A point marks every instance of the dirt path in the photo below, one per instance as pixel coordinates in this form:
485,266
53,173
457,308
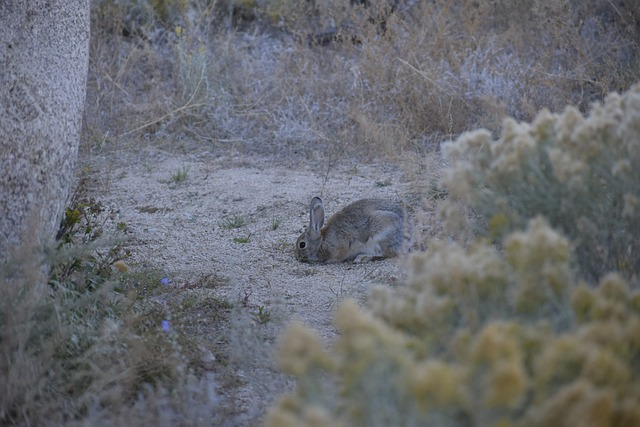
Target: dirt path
195,215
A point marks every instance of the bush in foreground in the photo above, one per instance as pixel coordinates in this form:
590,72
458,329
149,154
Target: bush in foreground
476,338
501,335
581,173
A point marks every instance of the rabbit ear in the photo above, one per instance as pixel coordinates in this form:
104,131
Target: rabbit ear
316,216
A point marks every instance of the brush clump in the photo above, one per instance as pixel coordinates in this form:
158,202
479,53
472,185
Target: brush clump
524,326
573,170
450,349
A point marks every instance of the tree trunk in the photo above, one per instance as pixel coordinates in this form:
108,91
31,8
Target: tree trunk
44,52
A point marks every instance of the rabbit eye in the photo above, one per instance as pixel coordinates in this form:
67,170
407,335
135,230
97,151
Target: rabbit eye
302,245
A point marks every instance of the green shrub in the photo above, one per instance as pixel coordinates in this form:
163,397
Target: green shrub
477,337
64,349
580,173
83,349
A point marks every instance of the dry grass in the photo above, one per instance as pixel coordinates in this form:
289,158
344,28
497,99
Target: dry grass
247,74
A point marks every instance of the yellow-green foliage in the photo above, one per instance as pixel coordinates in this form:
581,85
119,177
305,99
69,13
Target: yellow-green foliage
477,337
580,173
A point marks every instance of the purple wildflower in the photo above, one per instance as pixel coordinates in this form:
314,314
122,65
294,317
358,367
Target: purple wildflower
166,326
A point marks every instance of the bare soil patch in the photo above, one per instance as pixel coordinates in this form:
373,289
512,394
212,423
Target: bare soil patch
223,228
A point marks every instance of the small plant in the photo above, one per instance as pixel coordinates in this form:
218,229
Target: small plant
275,223
180,176
242,240
385,183
236,221
83,223
263,315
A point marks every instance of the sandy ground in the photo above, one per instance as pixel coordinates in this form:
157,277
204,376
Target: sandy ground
183,229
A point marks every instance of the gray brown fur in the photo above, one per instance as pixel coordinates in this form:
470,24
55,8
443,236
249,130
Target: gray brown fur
364,230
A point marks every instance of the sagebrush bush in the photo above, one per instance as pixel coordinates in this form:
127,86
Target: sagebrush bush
477,337
578,172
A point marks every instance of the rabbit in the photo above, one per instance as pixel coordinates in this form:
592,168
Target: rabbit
365,230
